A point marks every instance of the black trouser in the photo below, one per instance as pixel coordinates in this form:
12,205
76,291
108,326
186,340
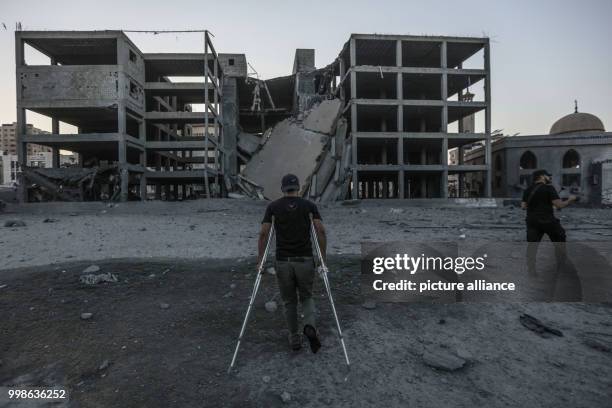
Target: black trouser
536,228
570,289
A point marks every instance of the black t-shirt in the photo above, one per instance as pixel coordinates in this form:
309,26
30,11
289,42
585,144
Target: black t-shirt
540,204
292,224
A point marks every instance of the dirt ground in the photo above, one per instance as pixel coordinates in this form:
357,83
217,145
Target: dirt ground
164,334
178,356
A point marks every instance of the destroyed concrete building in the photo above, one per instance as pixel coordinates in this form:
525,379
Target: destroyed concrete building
374,123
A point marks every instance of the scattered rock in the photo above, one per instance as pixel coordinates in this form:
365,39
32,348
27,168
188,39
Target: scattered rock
233,286
228,295
369,305
14,223
538,327
164,305
396,210
351,202
86,316
271,306
143,229
443,359
441,321
73,214
91,269
104,365
285,397
93,279
266,378
49,220
596,344
462,236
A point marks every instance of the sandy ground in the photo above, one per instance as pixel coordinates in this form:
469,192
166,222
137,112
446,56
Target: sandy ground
229,228
197,257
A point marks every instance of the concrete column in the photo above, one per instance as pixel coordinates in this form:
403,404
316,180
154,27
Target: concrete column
444,180
55,152
487,66
422,177
400,119
122,151
444,127
342,73
353,74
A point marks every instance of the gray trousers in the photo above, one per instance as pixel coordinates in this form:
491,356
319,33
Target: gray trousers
297,278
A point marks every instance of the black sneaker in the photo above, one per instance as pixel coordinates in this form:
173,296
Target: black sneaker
295,341
313,338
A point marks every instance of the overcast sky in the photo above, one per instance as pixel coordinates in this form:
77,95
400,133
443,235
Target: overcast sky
545,54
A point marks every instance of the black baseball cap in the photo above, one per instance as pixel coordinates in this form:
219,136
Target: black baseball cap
290,182
539,173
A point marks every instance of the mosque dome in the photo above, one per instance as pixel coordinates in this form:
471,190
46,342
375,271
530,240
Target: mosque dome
577,122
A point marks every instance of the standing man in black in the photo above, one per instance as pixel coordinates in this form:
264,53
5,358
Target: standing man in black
295,267
539,200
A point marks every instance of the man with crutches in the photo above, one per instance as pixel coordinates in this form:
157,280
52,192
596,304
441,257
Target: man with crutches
295,266
297,224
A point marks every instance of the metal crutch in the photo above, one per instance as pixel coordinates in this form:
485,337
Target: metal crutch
253,295
323,272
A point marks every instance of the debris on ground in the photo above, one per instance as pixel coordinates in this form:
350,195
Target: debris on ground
443,359
50,220
91,269
164,306
14,223
266,378
596,344
86,316
285,397
369,305
271,306
538,327
91,278
271,270
104,365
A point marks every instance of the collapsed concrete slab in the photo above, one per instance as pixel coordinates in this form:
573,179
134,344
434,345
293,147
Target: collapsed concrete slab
298,147
290,149
323,117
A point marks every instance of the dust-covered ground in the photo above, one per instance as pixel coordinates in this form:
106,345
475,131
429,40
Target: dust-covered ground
60,232
163,334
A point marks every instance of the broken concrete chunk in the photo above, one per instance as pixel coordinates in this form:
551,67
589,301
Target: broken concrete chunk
597,344
538,327
271,306
104,365
323,117
91,269
285,397
93,279
369,305
14,223
443,359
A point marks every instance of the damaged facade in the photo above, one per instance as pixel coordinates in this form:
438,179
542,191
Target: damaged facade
374,123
